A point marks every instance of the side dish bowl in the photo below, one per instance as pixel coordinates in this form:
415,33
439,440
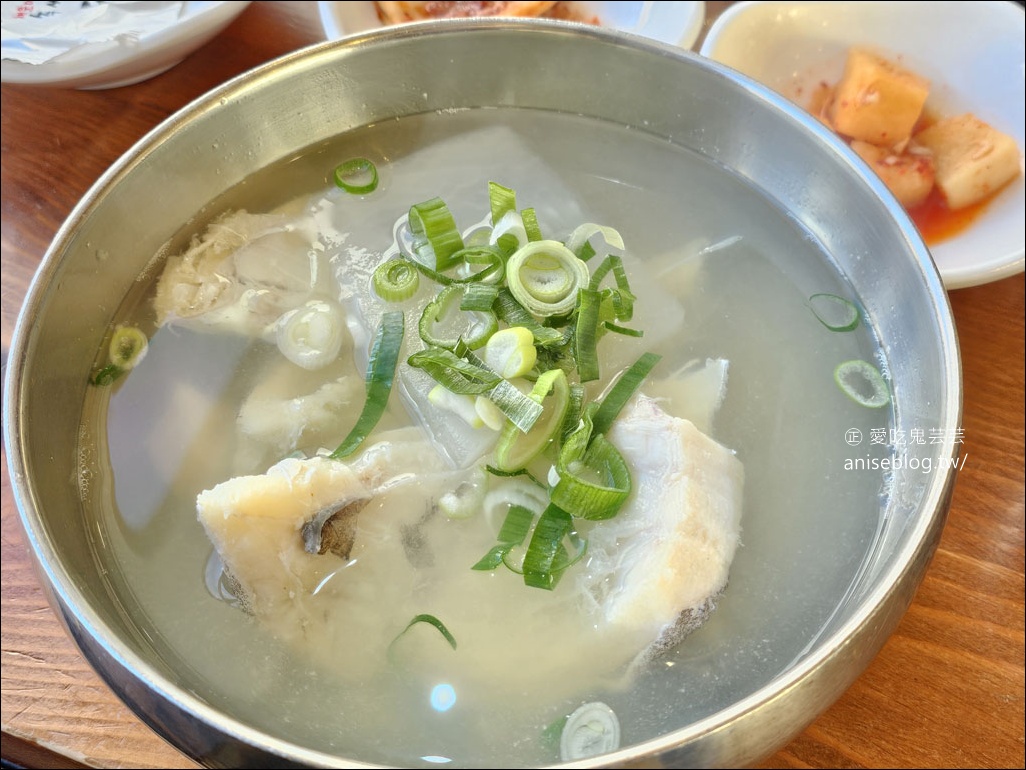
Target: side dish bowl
972,54
130,57
675,23
760,677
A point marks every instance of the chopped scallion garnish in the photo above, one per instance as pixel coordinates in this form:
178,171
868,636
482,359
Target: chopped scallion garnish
501,199
521,410
455,373
593,483
533,310
621,392
512,313
835,313
540,563
581,240
431,620
444,322
479,297
511,352
544,277
513,532
531,227
517,448
358,176
396,280
509,474
380,373
589,304
128,346
863,383
432,223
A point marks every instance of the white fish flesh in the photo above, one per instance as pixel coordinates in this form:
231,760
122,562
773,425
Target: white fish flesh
663,560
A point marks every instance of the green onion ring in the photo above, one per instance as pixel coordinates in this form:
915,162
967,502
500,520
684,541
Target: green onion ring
544,277
358,168
128,345
835,313
396,280
862,383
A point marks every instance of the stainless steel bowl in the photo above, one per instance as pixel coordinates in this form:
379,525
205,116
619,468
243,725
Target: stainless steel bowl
311,96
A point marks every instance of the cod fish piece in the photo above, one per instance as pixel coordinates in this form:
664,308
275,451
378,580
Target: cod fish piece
275,532
663,561
242,274
257,524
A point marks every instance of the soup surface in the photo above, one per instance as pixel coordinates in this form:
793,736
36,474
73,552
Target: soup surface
721,275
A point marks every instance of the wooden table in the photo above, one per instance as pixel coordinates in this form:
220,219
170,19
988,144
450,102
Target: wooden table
947,689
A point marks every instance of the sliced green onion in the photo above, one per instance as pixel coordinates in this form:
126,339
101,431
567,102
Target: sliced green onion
509,233
311,336
493,558
546,542
358,176
511,352
589,303
531,227
544,277
863,383
520,409
518,472
512,313
432,222
835,313
581,243
443,324
500,199
593,484
591,730
574,411
427,272
513,533
396,280
624,330
128,346
492,257
478,297
516,448
622,390
621,298
455,373
431,620
106,375
380,373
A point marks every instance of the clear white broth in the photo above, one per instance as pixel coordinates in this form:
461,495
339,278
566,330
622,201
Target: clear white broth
167,432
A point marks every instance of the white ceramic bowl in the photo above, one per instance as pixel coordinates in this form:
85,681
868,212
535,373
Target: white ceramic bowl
112,64
674,23
972,53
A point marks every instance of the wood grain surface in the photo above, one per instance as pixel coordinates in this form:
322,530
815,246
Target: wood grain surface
947,690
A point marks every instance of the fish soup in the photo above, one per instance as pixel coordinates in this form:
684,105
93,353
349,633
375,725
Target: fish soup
393,649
